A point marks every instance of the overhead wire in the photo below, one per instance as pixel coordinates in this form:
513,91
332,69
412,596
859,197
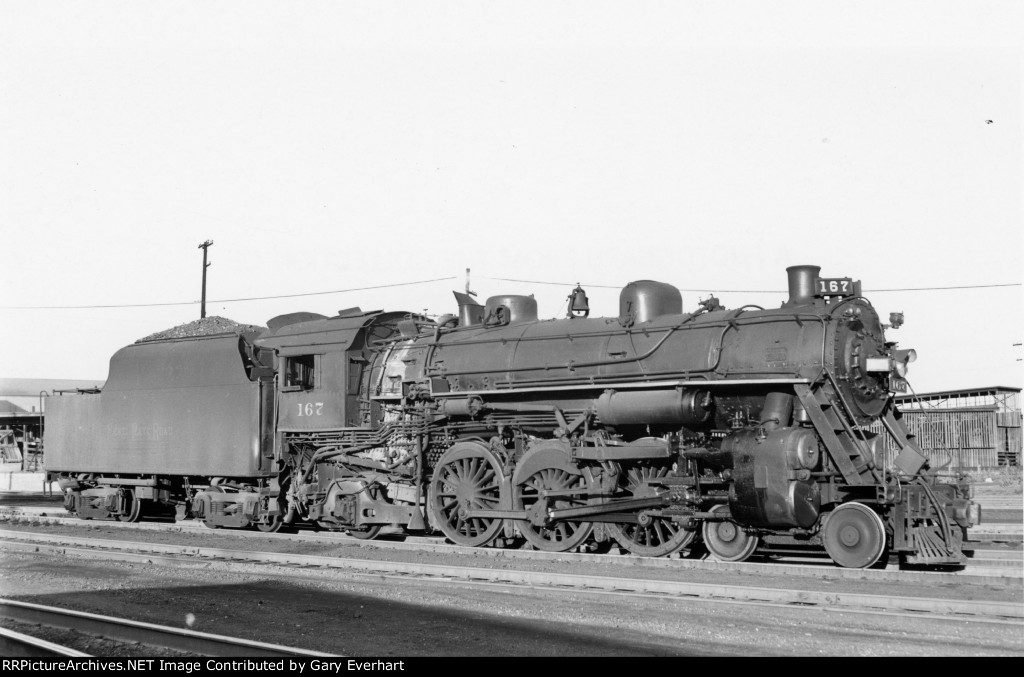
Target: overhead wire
496,279
754,291
251,298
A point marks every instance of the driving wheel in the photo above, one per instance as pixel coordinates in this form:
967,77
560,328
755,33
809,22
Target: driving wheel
560,535
466,478
653,534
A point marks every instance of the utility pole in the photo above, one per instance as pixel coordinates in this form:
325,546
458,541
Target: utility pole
204,246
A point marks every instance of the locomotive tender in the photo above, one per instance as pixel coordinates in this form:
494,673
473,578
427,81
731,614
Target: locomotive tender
651,429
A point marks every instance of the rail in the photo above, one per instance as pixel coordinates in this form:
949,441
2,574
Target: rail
161,636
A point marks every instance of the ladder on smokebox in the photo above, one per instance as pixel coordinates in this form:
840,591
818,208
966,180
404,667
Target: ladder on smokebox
847,450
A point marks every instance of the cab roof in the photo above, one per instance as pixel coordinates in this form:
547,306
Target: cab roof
323,335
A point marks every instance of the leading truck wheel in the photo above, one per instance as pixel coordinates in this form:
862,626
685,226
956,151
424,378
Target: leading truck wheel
467,478
726,541
854,536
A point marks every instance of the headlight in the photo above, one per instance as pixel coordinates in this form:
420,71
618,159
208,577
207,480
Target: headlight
902,358
897,363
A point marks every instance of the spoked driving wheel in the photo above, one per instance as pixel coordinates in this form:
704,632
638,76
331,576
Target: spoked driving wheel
467,478
132,507
727,541
560,535
854,536
653,534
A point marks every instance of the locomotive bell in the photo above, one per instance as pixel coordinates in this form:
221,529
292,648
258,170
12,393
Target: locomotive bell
579,305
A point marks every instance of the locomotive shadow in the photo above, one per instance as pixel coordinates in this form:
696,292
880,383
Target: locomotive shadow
355,624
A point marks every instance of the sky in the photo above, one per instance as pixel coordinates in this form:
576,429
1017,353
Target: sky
387,147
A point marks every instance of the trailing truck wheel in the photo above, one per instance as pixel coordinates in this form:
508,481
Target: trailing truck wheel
854,536
370,531
133,507
726,541
652,535
467,477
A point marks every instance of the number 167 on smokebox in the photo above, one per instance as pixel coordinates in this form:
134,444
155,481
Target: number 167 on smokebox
833,286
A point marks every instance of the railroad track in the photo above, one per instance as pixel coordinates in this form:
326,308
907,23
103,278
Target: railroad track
127,631
19,645
987,567
243,560
1011,532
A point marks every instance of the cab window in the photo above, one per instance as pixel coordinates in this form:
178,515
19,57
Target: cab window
300,373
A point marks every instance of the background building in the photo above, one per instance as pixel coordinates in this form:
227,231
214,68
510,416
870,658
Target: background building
972,429
22,405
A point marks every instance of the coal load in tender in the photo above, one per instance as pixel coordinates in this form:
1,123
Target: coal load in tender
204,327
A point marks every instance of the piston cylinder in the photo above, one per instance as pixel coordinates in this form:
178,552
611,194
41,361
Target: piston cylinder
771,473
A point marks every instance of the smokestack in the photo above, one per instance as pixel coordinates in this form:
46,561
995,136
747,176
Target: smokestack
801,284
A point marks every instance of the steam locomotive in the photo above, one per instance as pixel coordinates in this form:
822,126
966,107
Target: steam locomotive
655,429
